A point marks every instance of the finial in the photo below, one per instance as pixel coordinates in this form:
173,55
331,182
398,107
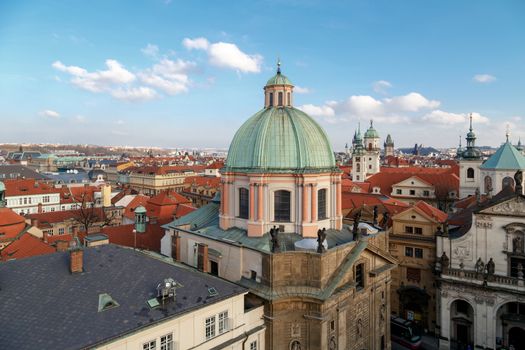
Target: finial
470,122
371,123
459,141
278,65
507,134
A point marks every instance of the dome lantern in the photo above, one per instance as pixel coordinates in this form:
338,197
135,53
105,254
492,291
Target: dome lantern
278,91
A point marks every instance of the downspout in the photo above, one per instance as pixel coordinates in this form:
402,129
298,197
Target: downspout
244,341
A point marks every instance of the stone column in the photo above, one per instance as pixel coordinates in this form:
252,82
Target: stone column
252,202
260,202
304,201
313,217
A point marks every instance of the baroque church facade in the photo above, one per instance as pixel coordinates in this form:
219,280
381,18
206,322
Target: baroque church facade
276,228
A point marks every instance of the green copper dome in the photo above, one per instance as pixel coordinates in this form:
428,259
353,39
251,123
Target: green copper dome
280,140
279,79
371,133
2,186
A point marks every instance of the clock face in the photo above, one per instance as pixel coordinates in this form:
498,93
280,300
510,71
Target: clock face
332,344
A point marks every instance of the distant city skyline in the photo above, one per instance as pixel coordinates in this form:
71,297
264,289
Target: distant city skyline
187,74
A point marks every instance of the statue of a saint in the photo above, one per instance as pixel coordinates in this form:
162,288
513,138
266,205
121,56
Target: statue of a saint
491,267
480,266
444,260
518,180
517,245
321,236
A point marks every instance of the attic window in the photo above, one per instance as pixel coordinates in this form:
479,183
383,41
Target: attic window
106,302
212,292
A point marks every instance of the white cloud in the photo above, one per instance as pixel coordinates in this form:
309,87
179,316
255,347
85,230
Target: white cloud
169,76
411,102
119,122
226,55
484,78
80,119
448,118
150,50
197,43
381,86
318,111
50,114
140,93
98,81
301,90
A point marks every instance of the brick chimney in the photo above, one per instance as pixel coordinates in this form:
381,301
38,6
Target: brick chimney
34,222
76,259
39,208
202,260
62,246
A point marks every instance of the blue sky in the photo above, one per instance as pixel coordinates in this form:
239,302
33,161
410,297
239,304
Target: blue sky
188,73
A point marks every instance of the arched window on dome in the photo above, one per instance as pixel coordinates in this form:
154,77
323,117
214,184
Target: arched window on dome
470,173
244,203
289,102
270,99
321,204
507,181
280,99
282,206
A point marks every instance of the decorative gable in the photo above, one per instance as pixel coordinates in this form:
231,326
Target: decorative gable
413,181
511,207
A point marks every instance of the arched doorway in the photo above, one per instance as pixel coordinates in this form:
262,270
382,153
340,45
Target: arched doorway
517,338
511,325
461,324
413,304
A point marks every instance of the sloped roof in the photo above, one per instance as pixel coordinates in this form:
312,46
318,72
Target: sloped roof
506,157
431,211
25,246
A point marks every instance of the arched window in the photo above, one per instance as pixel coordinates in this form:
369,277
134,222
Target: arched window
507,181
244,203
488,184
358,167
280,99
321,204
282,206
370,146
289,99
270,102
470,173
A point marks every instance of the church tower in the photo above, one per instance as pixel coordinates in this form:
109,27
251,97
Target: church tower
389,146
371,144
469,162
358,158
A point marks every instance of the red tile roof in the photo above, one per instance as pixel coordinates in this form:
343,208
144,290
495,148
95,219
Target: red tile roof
11,224
168,198
26,187
63,215
25,246
431,211
140,199
124,235
213,182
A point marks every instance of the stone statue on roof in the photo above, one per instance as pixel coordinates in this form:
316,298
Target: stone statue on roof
518,179
274,234
480,266
321,237
491,267
355,228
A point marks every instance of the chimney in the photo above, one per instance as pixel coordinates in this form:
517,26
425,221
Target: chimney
106,195
44,236
62,246
153,220
202,259
34,222
76,261
39,208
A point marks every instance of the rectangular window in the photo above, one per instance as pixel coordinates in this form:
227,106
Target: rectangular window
223,322
418,253
412,192
413,274
151,345
426,193
321,204
282,206
359,276
409,229
398,191
409,251
210,327
244,199
253,345
61,231
418,230
166,342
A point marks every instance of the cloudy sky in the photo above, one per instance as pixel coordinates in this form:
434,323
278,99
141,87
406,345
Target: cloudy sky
188,73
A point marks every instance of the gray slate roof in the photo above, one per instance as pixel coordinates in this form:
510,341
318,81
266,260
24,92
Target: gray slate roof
13,171
44,306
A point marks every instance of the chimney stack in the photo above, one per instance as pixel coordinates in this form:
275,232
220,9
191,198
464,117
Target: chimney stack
106,195
34,222
76,260
62,246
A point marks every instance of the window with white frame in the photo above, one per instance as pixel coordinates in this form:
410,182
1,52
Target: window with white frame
166,342
223,322
253,345
150,345
61,231
210,327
